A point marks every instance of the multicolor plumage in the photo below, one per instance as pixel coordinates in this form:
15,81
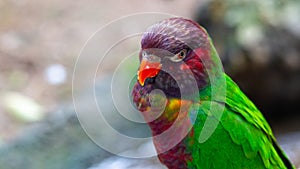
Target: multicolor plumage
242,138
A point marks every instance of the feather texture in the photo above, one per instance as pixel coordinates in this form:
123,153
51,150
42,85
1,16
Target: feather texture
243,138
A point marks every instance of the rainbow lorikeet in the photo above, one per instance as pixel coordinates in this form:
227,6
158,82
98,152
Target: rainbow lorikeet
179,89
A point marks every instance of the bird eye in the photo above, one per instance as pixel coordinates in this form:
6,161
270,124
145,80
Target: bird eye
179,56
144,53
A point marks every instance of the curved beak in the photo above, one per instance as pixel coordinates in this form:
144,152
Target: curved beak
148,69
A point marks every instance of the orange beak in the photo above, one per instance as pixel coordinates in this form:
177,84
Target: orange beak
147,70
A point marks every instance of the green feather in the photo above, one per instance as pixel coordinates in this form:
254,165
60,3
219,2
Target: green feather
242,139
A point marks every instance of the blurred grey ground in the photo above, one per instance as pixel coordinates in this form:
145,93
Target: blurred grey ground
35,35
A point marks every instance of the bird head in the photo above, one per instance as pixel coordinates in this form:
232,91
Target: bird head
172,55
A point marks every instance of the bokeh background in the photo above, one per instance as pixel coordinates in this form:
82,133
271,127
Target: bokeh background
258,42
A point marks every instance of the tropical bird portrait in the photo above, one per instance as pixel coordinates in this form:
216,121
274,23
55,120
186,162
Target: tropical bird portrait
178,80
152,84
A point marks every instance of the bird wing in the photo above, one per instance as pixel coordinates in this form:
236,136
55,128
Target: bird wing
242,131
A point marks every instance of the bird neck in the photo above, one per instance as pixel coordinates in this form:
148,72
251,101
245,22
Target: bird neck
176,112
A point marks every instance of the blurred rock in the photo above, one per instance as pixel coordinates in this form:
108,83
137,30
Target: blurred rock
124,163
132,163
290,143
259,44
58,142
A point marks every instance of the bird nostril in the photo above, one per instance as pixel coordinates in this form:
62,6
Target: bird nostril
149,80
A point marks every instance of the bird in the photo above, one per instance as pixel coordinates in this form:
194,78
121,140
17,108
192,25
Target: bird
180,86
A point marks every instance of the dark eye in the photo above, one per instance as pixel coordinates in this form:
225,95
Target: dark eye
179,56
182,54
144,53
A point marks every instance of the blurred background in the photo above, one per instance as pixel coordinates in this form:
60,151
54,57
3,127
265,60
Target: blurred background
258,42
